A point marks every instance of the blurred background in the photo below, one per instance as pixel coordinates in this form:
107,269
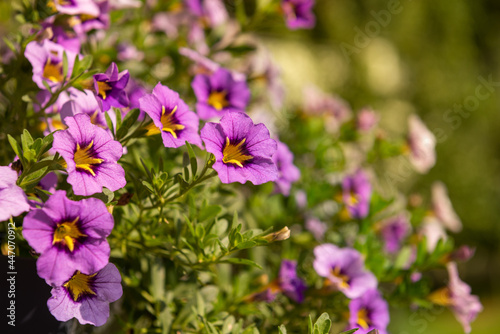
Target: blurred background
439,59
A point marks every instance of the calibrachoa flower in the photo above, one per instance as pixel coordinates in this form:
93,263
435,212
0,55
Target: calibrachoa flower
433,231
368,312
344,268
171,116
443,209
422,143
74,7
291,284
69,236
84,103
288,172
213,11
87,297
457,296
298,13
242,150
356,195
367,119
110,88
219,93
13,200
317,228
394,231
99,21
91,156
47,61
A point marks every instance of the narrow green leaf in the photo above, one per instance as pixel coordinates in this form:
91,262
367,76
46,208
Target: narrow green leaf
127,123
282,329
65,64
118,114
15,145
10,44
236,260
323,323
350,331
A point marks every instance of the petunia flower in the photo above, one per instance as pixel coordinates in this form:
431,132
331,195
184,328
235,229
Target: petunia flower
85,22
69,235
219,93
443,209
344,268
91,156
171,116
298,13
367,119
13,200
290,283
317,228
368,312
110,88
86,297
422,143
288,172
212,12
457,296
242,150
46,58
84,103
74,7
356,194
394,231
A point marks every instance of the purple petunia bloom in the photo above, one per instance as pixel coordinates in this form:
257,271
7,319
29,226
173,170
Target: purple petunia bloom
288,172
394,231
91,156
87,23
213,11
291,284
110,88
47,61
171,116
298,13
69,235
368,312
84,103
344,268
87,297
443,209
74,7
317,228
242,150
357,192
13,200
219,93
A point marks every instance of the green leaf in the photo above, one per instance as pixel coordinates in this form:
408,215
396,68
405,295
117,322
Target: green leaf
236,260
15,145
192,158
110,124
323,324
350,331
118,114
128,121
10,44
282,329
209,212
65,64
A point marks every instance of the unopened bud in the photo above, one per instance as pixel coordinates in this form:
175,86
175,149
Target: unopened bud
280,235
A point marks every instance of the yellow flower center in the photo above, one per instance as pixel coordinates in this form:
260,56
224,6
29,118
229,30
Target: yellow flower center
84,159
53,71
233,154
441,297
87,17
80,285
353,199
103,89
169,122
363,320
343,278
58,125
218,100
68,233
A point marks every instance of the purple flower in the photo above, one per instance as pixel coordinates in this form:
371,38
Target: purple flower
13,200
87,22
242,150
86,297
47,61
127,51
457,296
367,119
369,312
84,103
291,285
74,7
394,231
110,88
288,173
357,192
219,93
213,11
422,143
433,231
344,268
171,116
317,228
69,236
135,91
298,13
443,209
91,156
